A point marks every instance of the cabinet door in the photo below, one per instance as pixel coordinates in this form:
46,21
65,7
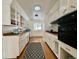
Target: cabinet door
6,12
53,45
4,43
49,42
63,7
72,5
46,38
11,46
23,41
6,15
72,51
55,16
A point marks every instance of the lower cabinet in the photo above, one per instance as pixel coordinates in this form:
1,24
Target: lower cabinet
52,41
23,41
60,49
57,48
13,45
67,51
10,46
65,55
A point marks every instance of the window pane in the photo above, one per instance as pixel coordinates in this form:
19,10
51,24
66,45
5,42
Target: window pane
37,26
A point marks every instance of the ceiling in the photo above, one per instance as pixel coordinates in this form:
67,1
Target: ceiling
28,5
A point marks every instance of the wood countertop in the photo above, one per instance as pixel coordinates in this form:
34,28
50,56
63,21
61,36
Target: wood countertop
14,34
54,33
10,34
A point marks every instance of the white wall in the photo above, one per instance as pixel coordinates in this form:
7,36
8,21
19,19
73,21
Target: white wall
54,27
36,32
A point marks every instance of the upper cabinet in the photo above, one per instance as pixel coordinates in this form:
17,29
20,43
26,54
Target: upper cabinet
72,5
67,6
53,13
6,12
15,16
63,7
11,12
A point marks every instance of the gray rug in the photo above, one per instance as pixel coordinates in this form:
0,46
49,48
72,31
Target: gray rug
34,51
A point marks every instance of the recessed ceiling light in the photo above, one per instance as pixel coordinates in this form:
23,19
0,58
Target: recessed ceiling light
37,8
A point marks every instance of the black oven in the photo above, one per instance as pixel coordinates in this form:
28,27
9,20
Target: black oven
67,31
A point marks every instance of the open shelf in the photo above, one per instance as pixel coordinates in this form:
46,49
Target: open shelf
65,55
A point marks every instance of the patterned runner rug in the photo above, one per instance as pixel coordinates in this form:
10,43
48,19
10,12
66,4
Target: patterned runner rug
34,51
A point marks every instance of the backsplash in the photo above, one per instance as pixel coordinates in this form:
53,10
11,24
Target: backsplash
8,28
53,27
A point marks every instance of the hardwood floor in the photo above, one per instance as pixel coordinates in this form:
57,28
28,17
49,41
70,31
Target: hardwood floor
48,53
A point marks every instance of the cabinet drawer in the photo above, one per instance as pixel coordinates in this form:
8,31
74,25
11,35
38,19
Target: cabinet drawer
69,49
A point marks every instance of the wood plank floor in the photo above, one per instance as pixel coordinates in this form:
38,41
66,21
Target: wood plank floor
48,53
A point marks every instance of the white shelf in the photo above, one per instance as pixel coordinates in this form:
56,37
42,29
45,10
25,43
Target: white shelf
65,55
72,51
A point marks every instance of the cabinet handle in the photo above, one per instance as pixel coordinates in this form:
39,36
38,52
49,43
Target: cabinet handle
68,49
72,6
64,10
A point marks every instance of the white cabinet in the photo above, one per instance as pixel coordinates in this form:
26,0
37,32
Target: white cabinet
10,46
54,12
60,49
24,39
55,16
56,48
52,41
6,12
70,50
72,5
6,15
63,7
13,45
65,55
67,6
